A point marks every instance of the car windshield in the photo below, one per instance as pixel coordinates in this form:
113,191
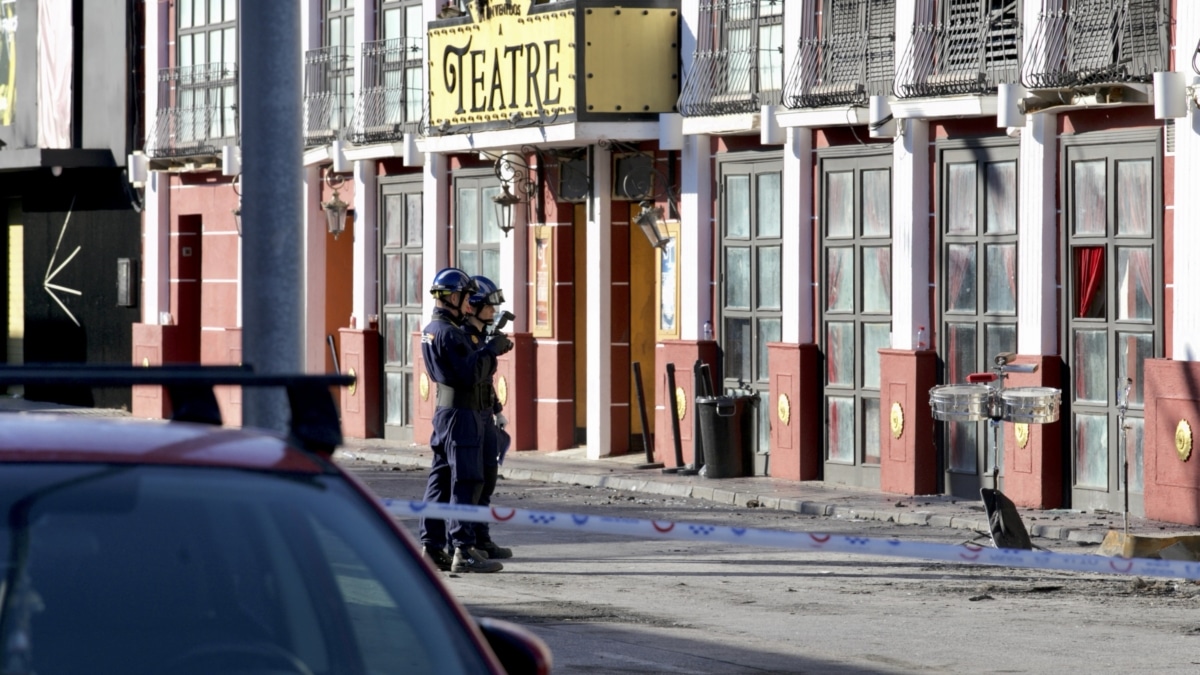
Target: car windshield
152,569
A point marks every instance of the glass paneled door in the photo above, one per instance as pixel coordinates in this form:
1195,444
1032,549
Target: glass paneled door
978,295
856,309
401,292
1114,316
752,276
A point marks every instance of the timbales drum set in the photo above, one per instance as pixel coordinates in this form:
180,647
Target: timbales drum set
984,397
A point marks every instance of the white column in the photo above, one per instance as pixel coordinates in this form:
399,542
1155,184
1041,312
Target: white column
1037,231
366,250
797,237
910,239
689,13
696,234
315,230
514,257
435,251
910,209
156,212
599,309
1186,332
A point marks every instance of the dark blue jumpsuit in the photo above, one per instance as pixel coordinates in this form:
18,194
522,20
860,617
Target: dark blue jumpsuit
456,474
491,444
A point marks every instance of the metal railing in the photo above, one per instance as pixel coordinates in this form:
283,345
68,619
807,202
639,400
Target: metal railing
197,111
735,69
393,95
328,94
969,52
853,59
1098,42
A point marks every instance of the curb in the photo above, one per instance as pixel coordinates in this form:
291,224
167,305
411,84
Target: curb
742,499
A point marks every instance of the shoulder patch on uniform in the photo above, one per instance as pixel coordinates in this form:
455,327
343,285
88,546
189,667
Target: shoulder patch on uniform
426,338
475,339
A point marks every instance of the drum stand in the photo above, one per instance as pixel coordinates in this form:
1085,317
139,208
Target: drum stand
1004,523
1122,408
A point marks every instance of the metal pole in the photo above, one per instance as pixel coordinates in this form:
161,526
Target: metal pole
679,468
647,445
272,201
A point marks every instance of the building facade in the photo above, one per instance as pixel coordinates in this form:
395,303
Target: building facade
836,206
69,116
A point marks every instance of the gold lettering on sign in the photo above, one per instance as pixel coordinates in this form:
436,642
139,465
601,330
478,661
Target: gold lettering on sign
504,66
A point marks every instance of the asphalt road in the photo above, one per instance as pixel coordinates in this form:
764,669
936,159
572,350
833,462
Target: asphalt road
612,605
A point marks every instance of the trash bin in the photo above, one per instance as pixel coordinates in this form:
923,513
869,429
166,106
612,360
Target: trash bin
721,419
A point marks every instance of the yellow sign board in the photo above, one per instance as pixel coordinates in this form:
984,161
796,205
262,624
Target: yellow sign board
507,65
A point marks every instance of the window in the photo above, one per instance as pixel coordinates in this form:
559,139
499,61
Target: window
338,40
402,293
978,285
752,36
856,292
477,227
1113,308
751,267
403,29
207,55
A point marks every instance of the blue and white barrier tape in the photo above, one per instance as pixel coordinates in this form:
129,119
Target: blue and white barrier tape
801,541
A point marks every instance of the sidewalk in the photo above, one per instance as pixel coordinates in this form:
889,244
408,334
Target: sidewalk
809,497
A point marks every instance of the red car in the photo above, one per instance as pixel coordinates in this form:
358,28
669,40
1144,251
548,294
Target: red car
139,547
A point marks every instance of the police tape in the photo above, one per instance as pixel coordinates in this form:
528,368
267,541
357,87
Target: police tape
802,541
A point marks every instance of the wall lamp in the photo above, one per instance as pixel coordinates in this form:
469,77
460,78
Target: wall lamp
648,219
237,211
647,184
1173,96
515,188
335,208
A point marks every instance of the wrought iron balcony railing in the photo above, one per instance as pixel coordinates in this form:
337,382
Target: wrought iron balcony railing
1098,42
970,48
197,111
393,95
852,60
738,65
328,94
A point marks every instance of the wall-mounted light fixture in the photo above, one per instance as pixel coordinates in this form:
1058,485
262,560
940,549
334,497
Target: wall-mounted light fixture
515,188
1008,106
1173,96
335,208
880,121
648,219
237,211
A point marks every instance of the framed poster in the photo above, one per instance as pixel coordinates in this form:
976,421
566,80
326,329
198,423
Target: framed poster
667,288
542,324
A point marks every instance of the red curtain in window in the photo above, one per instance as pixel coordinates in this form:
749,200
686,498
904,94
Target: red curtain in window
1089,274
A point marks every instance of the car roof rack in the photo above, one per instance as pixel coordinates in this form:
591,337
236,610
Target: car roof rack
314,424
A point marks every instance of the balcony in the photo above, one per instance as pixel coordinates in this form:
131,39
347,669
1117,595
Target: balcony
854,58
197,114
1098,42
393,95
328,95
738,65
969,48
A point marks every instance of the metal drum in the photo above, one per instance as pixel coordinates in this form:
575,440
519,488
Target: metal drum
960,402
1032,405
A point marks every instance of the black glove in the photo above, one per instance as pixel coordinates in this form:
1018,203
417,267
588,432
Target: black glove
500,344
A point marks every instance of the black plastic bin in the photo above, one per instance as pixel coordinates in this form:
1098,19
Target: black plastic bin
721,419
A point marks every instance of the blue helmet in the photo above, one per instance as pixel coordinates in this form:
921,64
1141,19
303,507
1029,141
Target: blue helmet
486,292
451,280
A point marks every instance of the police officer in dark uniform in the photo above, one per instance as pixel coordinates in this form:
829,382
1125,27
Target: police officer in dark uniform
484,301
459,369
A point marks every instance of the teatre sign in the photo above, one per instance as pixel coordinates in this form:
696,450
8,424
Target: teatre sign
506,65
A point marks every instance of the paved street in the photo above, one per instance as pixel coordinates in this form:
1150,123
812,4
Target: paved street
610,605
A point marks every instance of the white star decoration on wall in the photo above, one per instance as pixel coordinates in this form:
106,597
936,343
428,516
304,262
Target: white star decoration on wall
52,271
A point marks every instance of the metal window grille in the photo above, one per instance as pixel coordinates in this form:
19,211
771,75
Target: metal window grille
739,58
852,58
